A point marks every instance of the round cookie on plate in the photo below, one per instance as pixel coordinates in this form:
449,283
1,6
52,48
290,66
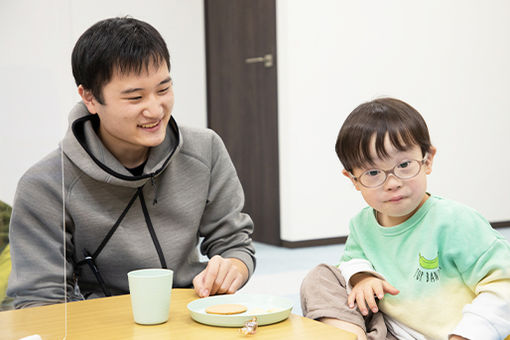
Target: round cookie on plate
226,309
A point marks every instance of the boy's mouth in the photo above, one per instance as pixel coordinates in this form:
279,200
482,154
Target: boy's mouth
396,199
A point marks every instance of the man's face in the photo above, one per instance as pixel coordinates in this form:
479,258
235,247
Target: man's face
136,110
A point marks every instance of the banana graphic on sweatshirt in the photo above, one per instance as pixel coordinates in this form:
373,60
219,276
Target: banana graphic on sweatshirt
428,269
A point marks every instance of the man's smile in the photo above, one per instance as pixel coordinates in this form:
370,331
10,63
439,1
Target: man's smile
149,125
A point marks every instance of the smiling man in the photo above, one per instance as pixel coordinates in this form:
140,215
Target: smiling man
135,189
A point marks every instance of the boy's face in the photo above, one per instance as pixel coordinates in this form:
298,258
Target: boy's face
396,199
136,110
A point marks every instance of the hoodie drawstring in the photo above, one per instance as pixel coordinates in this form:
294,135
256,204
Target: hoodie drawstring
153,182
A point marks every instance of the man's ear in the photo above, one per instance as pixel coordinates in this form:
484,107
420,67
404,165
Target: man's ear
349,176
430,158
88,99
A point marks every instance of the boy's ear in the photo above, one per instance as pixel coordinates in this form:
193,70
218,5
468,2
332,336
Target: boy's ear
349,176
88,99
430,158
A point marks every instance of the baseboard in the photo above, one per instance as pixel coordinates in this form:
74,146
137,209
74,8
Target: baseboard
501,224
314,243
342,239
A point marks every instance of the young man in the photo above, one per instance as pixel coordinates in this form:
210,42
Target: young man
434,267
137,190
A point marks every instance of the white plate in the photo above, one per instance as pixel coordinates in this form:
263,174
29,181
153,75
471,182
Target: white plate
267,308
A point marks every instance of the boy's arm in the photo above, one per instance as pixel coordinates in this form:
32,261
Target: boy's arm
354,270
365,288
362,281
487,316
354,261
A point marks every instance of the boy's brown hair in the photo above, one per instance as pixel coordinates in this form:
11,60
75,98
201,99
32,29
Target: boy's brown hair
404,126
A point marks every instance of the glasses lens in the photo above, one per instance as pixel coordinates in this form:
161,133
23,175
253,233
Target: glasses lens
372,178
407,169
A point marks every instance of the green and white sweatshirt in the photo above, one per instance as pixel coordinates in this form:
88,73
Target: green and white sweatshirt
451,267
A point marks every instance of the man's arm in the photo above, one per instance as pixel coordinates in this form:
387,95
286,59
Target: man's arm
226,230
36,239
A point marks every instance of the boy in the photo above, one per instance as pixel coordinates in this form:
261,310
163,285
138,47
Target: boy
446,271
138,190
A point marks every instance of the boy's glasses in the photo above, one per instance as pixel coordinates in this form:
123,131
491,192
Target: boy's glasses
374,178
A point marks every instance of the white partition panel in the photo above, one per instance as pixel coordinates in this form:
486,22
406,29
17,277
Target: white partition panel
37,87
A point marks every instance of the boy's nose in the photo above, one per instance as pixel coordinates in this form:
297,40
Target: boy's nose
392,182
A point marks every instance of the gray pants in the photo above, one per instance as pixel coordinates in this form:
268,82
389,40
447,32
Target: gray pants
324,295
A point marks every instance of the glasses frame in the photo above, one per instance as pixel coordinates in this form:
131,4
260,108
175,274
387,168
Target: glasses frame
390,172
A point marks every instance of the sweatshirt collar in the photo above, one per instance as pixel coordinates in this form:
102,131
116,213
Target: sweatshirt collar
84,147
409,223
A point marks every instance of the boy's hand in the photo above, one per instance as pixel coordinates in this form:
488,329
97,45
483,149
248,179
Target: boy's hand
365,287
221,276
456,337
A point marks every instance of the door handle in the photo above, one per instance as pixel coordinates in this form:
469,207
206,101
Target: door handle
267,60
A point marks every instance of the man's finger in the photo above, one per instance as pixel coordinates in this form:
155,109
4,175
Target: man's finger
198,283
221,274
227,282
238,281
210,273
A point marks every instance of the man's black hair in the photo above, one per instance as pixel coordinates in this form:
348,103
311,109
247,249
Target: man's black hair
126,45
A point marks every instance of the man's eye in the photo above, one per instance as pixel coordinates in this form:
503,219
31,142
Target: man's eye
404,165
134,98
163,91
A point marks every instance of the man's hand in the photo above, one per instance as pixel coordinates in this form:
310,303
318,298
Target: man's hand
221,276
456,337
365,287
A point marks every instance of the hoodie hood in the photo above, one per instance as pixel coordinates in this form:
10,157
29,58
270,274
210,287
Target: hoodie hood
83,147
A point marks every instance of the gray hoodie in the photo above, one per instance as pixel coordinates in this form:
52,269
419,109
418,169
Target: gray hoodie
189,190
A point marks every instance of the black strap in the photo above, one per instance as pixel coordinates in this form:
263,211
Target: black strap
92,265
151,229
90,259
115,226
111,232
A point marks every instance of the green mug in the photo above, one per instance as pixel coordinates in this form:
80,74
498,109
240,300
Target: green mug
150,291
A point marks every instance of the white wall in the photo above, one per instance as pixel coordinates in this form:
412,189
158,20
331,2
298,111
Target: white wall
37,88
449,59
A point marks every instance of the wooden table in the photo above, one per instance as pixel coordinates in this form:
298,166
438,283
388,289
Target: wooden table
111,318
